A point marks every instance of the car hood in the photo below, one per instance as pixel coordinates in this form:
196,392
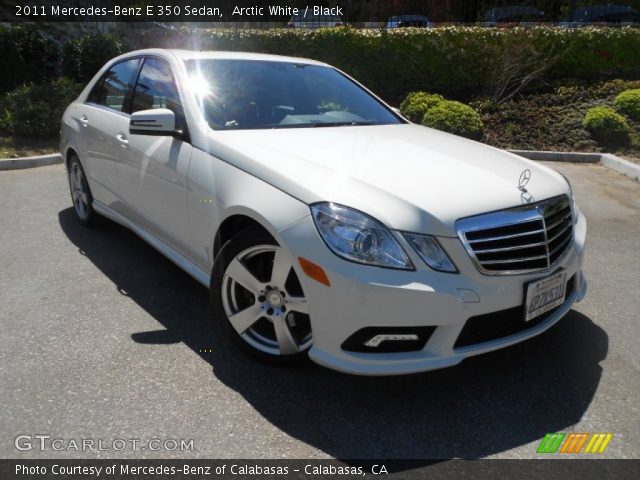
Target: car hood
409,177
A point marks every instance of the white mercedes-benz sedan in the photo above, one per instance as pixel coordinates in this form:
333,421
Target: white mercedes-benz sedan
324,223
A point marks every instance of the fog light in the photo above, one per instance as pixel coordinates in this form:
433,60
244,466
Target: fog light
378,339
388,339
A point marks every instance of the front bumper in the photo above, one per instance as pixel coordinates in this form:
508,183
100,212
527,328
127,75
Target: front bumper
362,296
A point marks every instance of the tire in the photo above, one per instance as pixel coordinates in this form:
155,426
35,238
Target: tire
80,193
262,309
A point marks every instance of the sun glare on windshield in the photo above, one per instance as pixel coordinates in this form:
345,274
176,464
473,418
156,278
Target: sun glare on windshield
257,94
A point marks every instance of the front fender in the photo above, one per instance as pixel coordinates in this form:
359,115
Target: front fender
218,190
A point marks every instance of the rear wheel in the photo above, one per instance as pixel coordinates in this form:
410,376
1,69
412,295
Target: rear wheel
257,294
81,193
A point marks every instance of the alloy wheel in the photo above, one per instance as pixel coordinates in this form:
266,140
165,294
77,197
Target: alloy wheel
79,191
264,302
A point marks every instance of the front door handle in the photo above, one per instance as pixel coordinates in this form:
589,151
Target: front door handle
84,120
122,139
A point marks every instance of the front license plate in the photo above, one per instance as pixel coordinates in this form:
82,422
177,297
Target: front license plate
545,294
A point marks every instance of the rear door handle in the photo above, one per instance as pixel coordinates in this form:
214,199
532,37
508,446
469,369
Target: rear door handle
84,120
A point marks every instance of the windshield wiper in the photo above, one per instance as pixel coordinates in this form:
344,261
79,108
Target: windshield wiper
341,124
323,124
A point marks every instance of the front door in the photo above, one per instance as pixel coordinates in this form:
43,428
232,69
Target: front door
153,175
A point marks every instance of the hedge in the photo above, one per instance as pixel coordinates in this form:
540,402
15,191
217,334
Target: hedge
28,55
462,62
36,110
457,61
82,57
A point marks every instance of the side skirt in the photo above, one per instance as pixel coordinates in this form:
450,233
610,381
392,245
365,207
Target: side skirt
177,258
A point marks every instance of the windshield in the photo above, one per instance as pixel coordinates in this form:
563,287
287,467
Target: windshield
252,94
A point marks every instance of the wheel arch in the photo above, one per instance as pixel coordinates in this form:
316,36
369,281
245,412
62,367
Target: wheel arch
70,152
233,224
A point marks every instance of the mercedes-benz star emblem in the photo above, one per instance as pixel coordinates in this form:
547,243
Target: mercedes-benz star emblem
525,176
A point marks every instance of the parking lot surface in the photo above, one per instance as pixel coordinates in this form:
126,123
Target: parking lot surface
103,338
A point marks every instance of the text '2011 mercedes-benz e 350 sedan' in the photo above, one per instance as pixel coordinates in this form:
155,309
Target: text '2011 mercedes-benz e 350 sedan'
324,223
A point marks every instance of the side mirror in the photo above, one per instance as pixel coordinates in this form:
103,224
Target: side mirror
158,121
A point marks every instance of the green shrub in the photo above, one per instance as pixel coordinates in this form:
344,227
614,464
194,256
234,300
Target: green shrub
416,104
628,102
36,110
606,126
454,117
82,57
28,55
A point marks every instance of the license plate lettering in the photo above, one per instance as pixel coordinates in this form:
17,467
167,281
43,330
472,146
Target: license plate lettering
544,294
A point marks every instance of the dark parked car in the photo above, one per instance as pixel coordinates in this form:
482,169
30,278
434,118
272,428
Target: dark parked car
603,14
399,21
314,21
515,14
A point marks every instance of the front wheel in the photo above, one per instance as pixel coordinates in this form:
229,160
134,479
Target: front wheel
256,293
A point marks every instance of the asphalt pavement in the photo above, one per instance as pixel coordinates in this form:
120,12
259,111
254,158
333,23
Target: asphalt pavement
102,338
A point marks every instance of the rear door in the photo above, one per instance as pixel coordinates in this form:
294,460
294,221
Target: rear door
153,175
106,105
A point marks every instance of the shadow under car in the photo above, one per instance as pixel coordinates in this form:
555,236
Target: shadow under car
486,405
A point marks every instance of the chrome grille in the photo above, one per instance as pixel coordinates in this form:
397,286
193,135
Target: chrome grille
519,240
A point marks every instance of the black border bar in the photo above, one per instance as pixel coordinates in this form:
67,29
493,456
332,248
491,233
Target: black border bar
238,469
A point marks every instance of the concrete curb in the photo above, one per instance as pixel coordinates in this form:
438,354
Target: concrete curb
30,162
620,165
574,157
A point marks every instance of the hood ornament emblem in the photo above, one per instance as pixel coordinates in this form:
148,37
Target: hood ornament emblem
525,176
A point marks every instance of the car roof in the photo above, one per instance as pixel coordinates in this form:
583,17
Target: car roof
500,13
321,16
585,14
210,54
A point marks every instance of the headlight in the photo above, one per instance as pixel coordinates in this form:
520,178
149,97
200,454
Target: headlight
431,252
357,237
574,206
